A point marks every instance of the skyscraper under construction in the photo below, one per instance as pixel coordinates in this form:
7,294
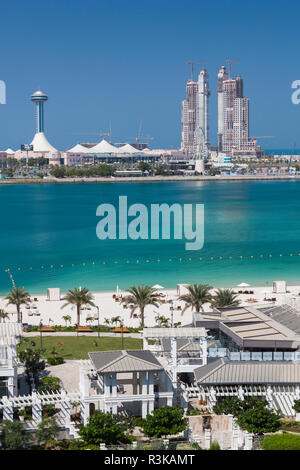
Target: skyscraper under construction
188,117
201,136
233,117
194,116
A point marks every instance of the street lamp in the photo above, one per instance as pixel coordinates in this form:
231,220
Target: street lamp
172,314
98,332
41,336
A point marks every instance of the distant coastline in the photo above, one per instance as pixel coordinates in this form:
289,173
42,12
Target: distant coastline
150,179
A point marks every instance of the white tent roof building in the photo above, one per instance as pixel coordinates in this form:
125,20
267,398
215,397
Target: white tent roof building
40,143
127,148
79,149
103,147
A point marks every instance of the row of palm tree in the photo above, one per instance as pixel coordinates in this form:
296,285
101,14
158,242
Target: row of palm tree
139,297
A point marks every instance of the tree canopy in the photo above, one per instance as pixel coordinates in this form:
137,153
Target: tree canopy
225,298
197,296
47,432
234,406
32,359
13,435
164,421
18,296
259,420
104,428
78,297
140,297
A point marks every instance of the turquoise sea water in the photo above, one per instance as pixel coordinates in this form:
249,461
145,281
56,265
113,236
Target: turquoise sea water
55,225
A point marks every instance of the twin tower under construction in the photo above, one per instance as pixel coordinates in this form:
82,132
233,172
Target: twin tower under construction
233,117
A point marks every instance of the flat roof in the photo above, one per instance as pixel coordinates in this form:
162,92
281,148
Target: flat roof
252,327
192,332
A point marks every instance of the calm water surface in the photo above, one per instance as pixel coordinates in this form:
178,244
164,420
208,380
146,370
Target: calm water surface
48,236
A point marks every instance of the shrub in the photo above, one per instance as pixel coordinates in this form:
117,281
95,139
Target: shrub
55,361
283,441
49,384
297,406
193,412
196,446
214,446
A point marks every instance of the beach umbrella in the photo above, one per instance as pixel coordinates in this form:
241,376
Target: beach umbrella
157,286
243,284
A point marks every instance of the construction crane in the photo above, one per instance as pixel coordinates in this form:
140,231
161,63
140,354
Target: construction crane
192,68
101,133
230,62
264,137
139,132
290,160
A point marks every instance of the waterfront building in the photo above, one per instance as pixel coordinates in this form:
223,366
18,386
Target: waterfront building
188,117
222,75
233,118
201,135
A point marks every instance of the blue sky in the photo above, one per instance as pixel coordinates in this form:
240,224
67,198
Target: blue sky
123,62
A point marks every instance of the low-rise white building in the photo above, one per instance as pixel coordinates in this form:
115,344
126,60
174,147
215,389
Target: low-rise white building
9,333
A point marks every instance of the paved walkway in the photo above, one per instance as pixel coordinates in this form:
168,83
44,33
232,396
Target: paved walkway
74,333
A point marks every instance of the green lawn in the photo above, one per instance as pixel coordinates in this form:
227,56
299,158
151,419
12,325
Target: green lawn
77,347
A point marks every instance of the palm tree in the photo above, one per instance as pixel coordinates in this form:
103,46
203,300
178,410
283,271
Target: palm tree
140,297
67,319
116,319
3,315
225,298
197,296
161,320
18,296
78,297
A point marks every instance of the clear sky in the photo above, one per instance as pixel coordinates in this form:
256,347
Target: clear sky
125,61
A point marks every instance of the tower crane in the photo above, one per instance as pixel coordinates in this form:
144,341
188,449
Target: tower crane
230,62
192,68
101,133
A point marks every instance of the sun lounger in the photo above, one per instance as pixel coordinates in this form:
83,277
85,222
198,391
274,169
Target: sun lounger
84,329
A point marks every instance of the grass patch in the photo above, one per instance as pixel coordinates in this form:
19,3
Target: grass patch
281,442
78,347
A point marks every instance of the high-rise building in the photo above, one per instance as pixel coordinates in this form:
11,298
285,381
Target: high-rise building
188,117
222,75
232,89
233,117
201,137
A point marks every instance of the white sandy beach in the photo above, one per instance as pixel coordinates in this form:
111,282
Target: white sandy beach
50,312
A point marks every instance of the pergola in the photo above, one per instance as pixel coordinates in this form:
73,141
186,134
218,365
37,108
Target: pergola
174,334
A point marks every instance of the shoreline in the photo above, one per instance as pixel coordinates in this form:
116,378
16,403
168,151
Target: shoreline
150,179
50,312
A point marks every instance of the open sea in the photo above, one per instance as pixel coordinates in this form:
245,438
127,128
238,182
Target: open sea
48,236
